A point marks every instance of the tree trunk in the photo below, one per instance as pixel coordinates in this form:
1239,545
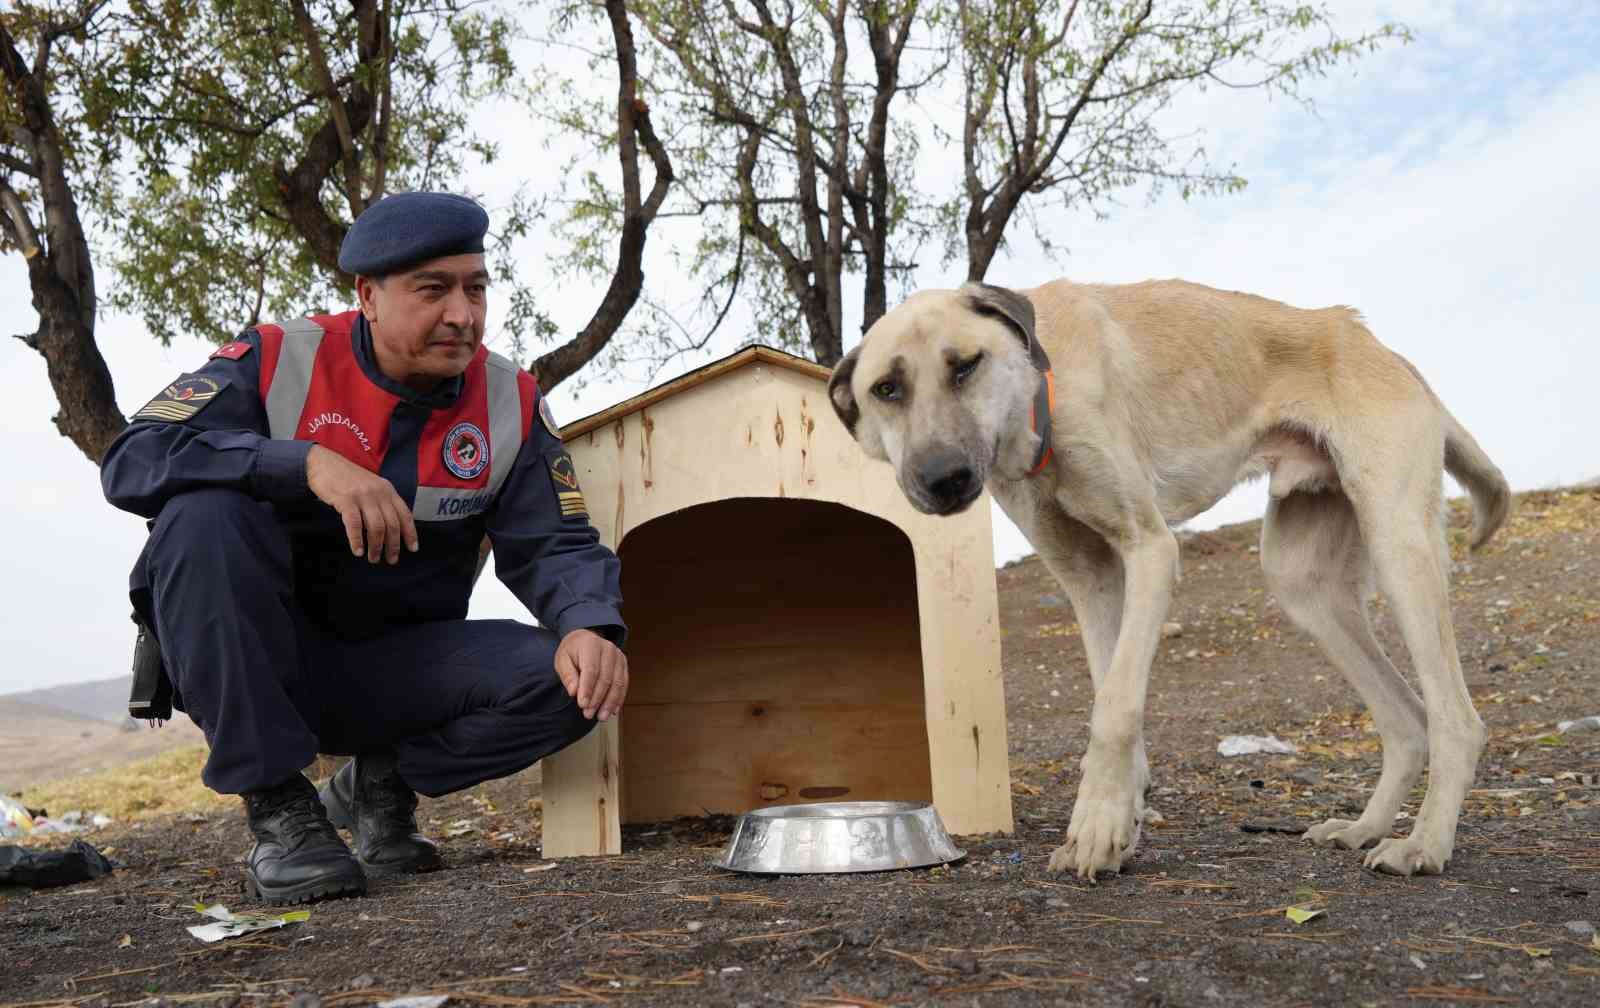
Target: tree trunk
60,273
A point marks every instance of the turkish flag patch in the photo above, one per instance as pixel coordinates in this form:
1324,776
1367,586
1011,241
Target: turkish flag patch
232,351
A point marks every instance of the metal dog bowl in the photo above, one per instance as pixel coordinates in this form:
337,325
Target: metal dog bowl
830,837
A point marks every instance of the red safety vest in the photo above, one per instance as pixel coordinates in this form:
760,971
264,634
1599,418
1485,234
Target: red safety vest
314,390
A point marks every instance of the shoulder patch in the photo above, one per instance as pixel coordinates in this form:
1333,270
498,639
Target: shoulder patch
184,398
565,477
231,351
548,418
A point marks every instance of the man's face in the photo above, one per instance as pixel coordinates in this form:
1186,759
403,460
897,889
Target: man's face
427,320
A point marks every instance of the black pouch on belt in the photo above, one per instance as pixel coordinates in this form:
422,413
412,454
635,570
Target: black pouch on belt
150,698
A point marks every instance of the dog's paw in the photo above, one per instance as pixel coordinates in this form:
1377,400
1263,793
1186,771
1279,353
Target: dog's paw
1409,856
1344,833
1102,837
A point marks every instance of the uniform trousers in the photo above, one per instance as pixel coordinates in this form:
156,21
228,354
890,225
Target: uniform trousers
458,701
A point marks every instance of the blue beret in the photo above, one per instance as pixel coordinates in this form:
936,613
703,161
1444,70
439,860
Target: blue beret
412,227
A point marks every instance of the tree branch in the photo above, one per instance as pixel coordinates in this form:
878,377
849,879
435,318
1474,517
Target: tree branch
627,279
18,165
341,121
19,228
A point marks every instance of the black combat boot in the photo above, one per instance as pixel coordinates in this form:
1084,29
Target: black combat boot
368,798
298,857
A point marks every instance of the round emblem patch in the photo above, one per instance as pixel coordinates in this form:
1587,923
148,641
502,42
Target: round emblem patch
466,450
194,387
548,418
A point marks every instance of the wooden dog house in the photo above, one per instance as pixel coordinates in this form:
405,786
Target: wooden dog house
797,632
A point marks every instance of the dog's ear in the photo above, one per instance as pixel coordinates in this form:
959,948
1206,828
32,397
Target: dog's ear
839,393
1006,305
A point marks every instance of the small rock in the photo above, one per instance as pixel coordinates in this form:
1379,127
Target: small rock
305,1000
362,982
964,961
1583,724
1051,601
1305,775
694,926
858,937
1580,928
1171,630
1585,816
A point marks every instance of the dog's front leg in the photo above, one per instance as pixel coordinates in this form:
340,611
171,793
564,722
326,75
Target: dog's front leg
1109,811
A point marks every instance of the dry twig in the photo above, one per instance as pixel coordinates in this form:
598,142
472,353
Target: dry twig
1440,992
778,934
921,962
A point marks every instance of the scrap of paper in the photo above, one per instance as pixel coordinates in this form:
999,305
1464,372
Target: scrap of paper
230,925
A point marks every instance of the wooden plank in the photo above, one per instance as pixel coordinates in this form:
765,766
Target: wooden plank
583,796
964,688
728,758
698,376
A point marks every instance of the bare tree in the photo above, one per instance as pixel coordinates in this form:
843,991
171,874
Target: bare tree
809,135
1063,97
785,121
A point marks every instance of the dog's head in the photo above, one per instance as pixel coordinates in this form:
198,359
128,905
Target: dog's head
940,388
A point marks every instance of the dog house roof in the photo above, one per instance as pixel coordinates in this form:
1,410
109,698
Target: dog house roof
698,376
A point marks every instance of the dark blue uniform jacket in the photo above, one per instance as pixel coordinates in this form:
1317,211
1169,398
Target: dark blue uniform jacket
555,565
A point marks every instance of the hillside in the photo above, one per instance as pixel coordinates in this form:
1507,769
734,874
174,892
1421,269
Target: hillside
98,700
41,744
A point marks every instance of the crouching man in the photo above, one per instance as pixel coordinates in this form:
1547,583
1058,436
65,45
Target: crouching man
319,490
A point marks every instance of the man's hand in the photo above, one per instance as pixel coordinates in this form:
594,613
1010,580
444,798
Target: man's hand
594,671
376,520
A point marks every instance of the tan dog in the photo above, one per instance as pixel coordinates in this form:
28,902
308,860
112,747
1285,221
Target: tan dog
1167,394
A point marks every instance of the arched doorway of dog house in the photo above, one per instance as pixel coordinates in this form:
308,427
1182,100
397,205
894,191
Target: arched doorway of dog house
775,658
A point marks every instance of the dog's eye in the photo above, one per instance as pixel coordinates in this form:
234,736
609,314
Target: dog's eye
964,370
887,390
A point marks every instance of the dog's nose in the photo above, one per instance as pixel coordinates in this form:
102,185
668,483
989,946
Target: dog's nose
949,479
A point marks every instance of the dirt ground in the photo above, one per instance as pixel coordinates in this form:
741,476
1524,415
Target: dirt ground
1199,918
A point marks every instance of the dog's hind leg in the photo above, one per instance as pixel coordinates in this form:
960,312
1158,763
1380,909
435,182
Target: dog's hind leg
1318,569
1399,501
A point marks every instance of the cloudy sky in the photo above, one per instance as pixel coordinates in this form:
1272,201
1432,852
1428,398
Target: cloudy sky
1447,189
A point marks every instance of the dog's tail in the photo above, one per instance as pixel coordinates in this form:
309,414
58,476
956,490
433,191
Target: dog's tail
1491,495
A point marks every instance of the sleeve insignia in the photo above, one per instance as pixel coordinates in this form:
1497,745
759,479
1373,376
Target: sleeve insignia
231,351
181,400
565,477
548,418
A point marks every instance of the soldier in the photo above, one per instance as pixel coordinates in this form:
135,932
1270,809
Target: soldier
318,492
